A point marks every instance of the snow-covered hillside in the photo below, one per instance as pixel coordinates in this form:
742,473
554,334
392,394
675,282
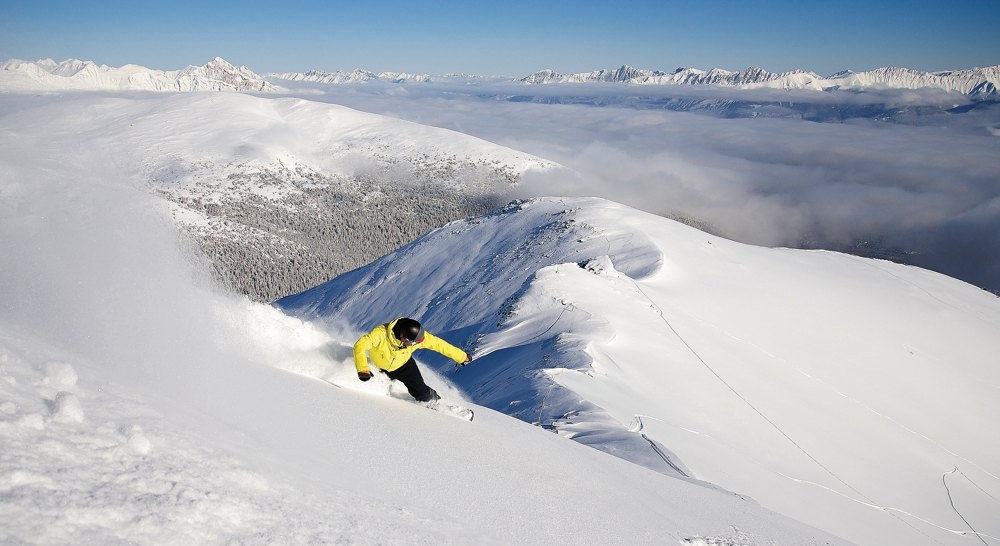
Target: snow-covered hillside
137,402
852,394
139,405
285,193
73,74
252,455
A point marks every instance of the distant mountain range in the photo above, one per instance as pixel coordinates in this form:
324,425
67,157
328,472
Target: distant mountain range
220,75
354,76
46,74
976,82
979,82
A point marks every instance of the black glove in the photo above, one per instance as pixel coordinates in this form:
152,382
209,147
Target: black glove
364,376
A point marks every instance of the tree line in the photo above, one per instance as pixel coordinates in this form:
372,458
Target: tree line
269,245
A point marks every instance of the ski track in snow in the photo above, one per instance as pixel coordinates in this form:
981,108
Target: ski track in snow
866,501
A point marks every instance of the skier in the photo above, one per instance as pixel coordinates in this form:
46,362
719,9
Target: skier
390,347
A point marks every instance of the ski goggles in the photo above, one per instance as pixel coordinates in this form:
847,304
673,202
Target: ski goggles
418,339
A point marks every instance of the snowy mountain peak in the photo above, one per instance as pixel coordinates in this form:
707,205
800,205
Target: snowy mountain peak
219,75
74,74
543,76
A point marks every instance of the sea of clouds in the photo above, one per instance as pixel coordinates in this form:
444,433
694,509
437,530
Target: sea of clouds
912,176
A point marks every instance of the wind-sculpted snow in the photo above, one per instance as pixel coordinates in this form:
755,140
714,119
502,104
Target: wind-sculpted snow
827,387
462,295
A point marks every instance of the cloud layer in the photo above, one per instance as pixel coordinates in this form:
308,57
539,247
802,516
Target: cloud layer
924,188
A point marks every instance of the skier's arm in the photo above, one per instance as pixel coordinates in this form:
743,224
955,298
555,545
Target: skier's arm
435,343
360,348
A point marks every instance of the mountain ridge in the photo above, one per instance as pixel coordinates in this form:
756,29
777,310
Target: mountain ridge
977,82
974,81
643,338
357,75
74,74
220,75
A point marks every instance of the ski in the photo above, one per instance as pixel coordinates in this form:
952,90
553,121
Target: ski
440,405
451,408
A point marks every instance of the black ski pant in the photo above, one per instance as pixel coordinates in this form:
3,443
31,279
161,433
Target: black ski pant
409,374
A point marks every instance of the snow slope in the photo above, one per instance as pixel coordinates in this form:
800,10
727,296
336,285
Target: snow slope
257,174
828,388
287,459
140,405
175,136
855,395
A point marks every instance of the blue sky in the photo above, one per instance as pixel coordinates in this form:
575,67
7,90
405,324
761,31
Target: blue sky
510,37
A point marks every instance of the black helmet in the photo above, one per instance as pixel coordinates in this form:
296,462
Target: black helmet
409,331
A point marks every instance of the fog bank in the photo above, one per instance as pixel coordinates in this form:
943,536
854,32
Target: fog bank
922,189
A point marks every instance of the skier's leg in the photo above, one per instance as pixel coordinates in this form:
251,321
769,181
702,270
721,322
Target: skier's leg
410,375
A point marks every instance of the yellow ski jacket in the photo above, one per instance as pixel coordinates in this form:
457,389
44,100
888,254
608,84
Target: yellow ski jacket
388,353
